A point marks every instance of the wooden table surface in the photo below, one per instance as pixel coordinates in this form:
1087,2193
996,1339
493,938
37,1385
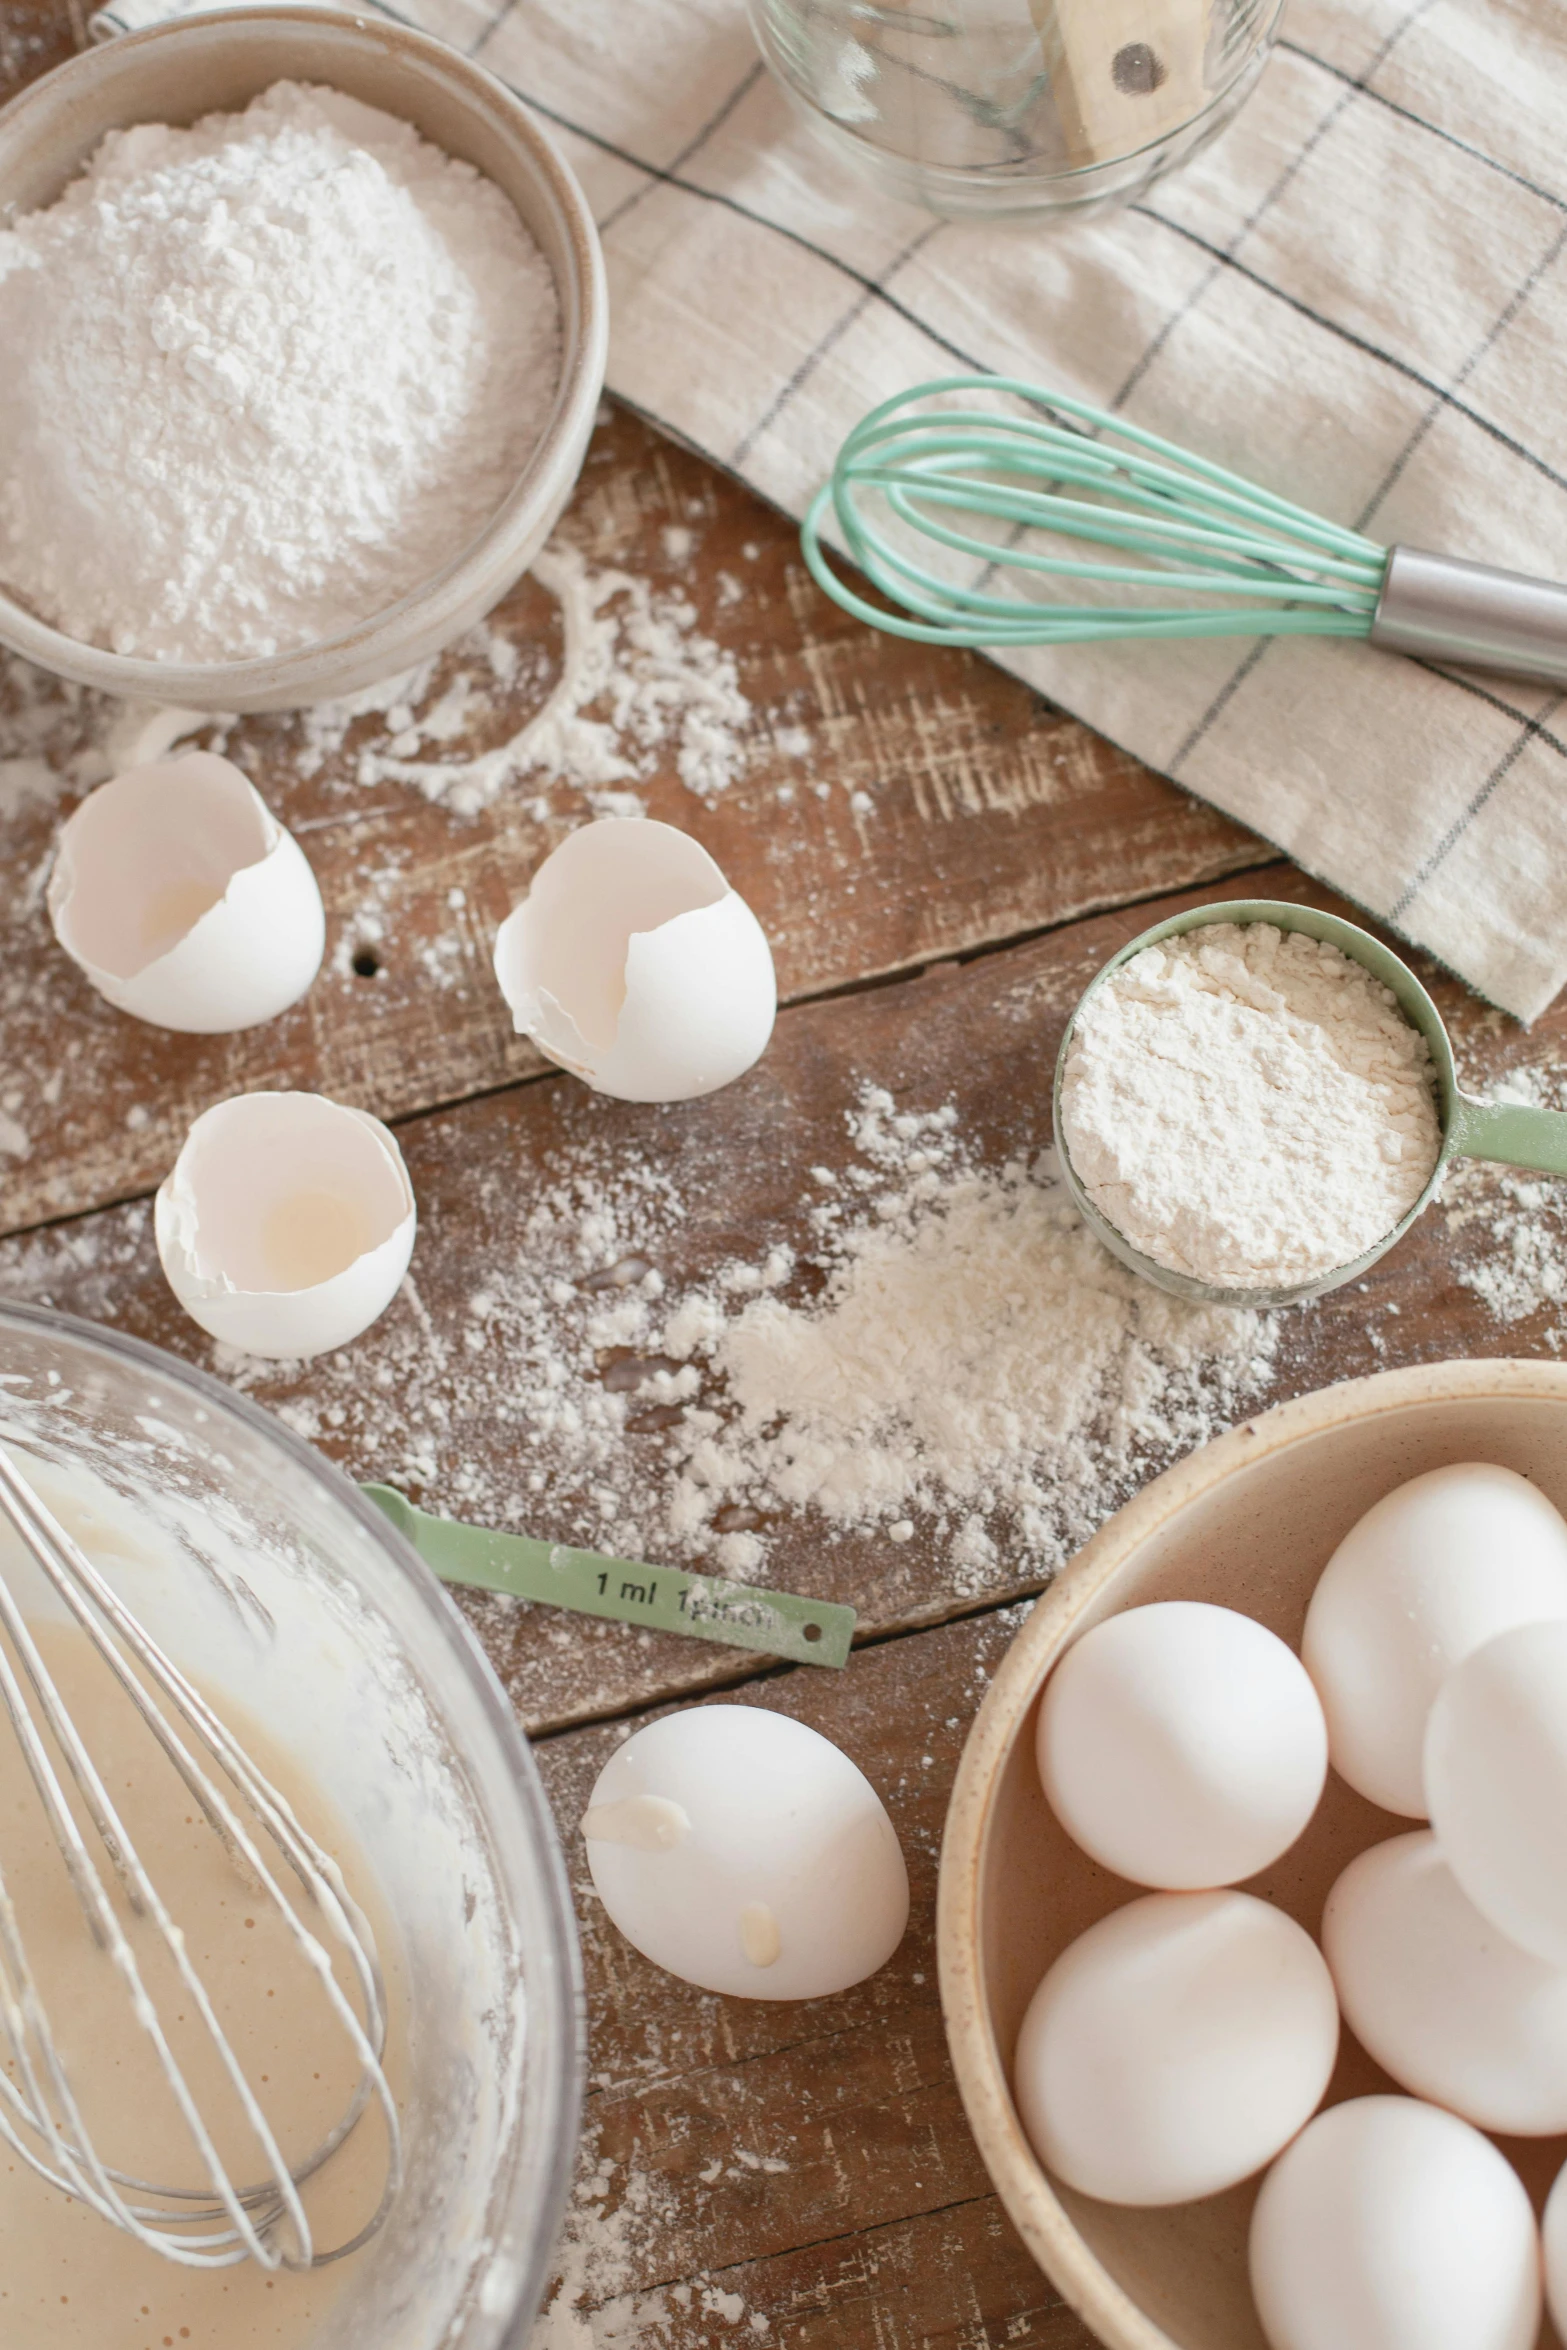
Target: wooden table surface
941,861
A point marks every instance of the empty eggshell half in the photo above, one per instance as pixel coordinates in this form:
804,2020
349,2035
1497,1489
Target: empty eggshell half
183,899
633,964
287,1223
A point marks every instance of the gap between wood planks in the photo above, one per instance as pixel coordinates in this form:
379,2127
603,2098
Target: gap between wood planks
737,2268
905,976
747,1676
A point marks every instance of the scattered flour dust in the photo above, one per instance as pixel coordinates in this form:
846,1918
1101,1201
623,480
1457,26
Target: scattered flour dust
1519,1219
638,678
1249,1106
948,1351
263,375
974,1357
615,2224
57,738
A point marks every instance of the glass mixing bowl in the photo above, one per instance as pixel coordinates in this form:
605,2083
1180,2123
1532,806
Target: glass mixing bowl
1015,109
265,1573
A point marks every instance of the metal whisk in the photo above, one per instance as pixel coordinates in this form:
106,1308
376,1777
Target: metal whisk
219,2222
1003,490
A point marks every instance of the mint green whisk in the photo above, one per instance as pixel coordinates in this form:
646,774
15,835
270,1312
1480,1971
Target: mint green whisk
1196,550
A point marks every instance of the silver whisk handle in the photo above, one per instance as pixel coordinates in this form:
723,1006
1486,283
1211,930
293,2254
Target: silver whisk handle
1440,608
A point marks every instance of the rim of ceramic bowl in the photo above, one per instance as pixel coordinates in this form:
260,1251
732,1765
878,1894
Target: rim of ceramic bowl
1023,2185
557,2037
438,607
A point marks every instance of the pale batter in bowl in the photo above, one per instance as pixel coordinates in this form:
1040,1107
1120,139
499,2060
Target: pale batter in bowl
68,2279
318,1635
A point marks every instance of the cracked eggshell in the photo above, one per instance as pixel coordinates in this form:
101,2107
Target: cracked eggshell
745,1853
287,1223
633,964
183,899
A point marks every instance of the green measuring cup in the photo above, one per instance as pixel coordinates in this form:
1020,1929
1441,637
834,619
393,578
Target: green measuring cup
1514,1133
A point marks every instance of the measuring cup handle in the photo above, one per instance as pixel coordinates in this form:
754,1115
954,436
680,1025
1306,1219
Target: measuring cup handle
1515,1133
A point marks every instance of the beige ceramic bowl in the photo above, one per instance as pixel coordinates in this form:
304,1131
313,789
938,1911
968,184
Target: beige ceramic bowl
177,72
1248,1522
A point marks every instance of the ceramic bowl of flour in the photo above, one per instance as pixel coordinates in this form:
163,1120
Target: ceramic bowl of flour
1249,1522
180,73
286,1594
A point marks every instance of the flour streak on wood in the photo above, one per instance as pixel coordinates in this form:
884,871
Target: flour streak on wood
892,808
981,1035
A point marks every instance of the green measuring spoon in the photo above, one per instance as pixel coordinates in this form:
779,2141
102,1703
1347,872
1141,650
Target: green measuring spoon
664,1599
1514,1133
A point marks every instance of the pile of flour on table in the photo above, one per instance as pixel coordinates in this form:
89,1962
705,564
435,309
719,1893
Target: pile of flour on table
1248,1106
929,1345
262,377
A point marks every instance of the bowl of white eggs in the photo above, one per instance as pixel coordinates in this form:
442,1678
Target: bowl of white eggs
1253,1905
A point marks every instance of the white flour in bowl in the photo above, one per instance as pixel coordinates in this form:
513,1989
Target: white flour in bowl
262,377
1248,1106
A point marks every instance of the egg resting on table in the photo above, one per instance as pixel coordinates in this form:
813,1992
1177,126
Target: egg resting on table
1390,2225
745,1853
1443,2001
1181,1745
1496,1783
1434,1570
1175,2047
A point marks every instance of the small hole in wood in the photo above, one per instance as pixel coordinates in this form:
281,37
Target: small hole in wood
656,1416
624,1372
367,962
1137,70
811,1631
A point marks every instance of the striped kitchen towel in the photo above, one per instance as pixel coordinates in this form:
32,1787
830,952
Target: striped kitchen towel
1357,295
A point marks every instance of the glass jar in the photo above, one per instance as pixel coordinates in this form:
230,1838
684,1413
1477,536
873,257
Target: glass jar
987,109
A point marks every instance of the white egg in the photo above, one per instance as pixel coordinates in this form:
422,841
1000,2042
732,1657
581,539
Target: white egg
1389,2225
1496,1783
1175,2047
287,1223
1446,2004
184,901
1553,2228
1181,1745
745,1853
633,964
1437,1568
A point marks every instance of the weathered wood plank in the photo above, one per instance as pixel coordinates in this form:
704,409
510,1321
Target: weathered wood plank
429,1397
35,35
804,2165
894,806
948,2280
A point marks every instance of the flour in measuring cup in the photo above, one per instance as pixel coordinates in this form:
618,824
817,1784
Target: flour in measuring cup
1248,1106
263,376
